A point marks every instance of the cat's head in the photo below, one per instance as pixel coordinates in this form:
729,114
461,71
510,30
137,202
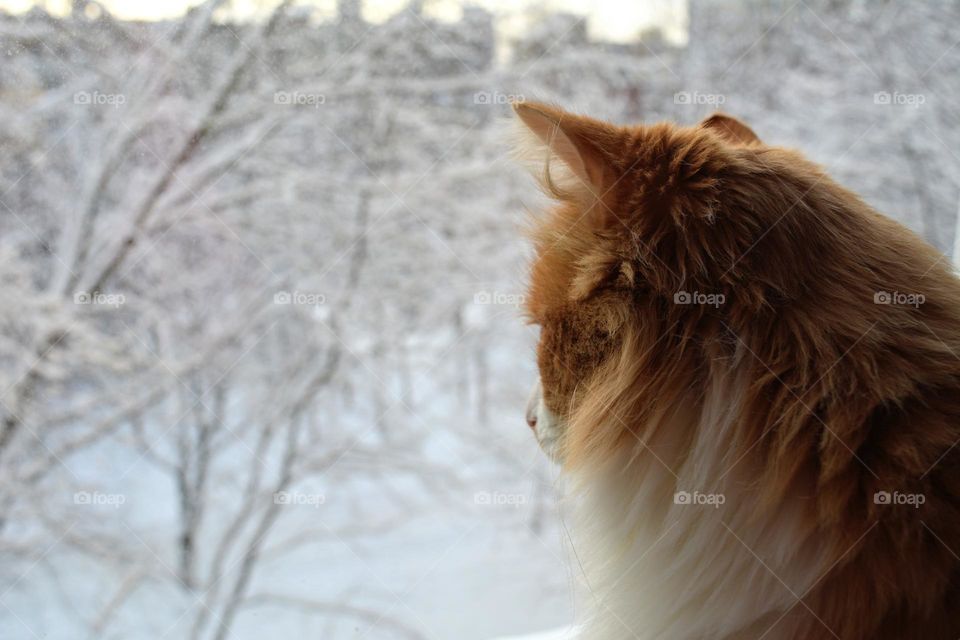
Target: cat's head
670,253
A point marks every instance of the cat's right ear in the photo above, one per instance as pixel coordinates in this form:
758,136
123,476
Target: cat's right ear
586,148
730,129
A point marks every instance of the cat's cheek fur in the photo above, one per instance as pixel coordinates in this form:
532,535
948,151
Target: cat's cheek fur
670,542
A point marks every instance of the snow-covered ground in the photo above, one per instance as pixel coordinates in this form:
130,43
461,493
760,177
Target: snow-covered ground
480,560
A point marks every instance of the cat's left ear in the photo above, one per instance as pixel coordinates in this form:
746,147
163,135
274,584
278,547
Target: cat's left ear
585,147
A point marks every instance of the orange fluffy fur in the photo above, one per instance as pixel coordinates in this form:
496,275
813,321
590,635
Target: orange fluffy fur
826,398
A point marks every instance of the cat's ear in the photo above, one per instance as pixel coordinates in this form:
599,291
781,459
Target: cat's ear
585,147
730,129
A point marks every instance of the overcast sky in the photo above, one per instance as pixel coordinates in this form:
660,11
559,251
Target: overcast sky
607,19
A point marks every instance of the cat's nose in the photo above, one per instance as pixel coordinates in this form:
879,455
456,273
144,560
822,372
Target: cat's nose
533,404
532,418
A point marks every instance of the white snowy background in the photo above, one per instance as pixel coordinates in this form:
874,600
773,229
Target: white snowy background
262,370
